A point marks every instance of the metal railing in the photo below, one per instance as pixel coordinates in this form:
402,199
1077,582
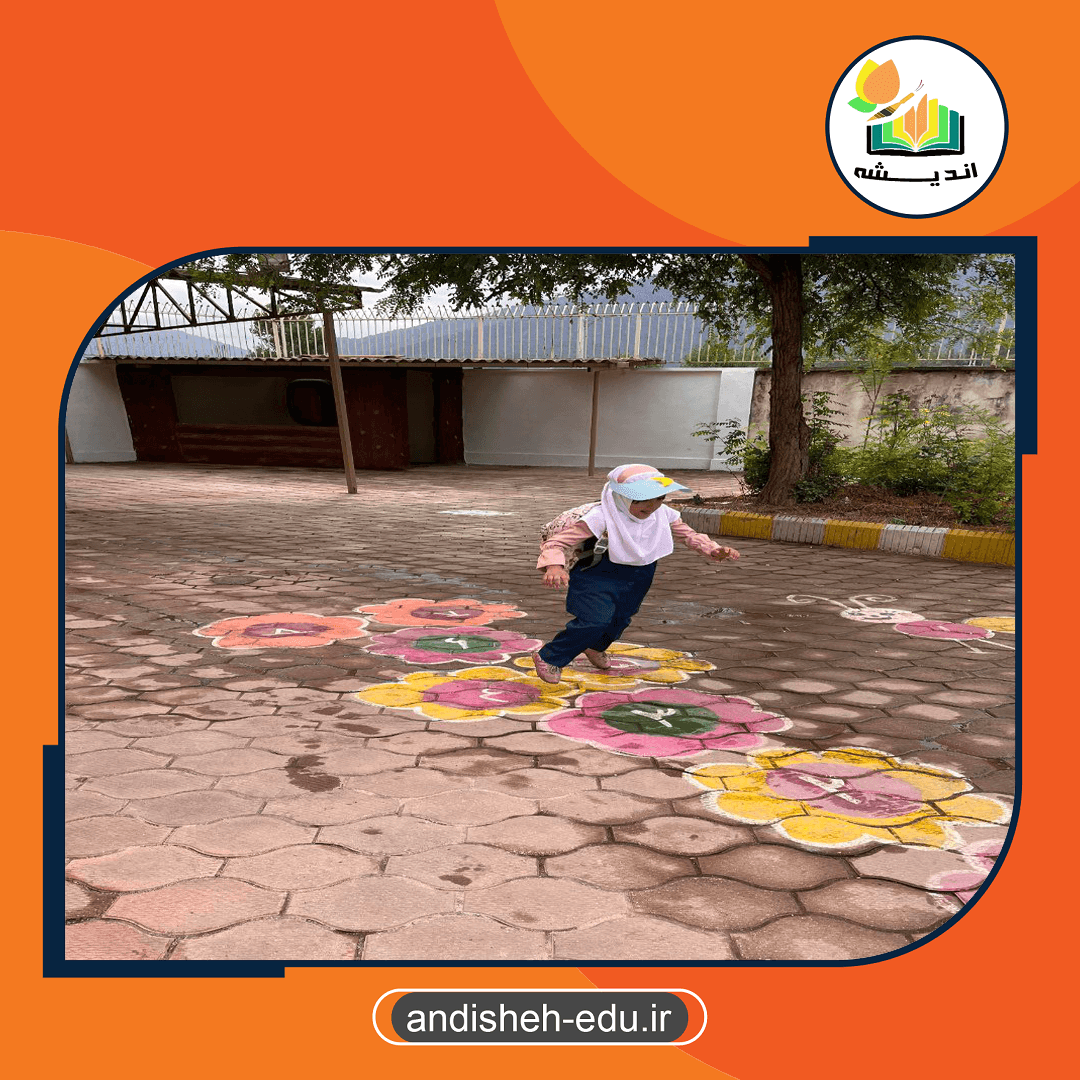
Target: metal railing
670,332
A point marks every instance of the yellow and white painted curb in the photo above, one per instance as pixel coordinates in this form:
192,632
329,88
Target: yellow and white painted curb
966,545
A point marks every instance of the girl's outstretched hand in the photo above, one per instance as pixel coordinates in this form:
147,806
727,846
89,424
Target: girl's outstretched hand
556,577
722,553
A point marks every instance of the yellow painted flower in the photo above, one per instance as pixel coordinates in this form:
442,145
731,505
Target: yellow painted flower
999,624
845,797
470,694
631,665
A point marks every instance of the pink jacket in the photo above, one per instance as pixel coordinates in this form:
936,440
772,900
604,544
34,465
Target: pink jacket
553,551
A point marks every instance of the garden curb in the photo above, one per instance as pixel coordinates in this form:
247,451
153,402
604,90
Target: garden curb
965,545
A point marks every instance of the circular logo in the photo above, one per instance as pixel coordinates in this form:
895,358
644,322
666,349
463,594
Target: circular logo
916,127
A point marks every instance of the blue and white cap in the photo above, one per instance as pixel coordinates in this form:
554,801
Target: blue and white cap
640,488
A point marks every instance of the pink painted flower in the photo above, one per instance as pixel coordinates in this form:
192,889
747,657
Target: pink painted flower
432,645
460,612
945,631
282,630
981,858
666,722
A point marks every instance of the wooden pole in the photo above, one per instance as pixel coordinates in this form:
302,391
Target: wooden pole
592,422
330,341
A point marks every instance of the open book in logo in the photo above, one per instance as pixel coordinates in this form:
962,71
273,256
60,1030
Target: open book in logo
910,99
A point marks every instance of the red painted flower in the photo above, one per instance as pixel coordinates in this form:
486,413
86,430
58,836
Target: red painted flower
460,612
282,630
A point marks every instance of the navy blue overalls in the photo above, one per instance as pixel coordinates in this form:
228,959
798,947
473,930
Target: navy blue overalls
603,598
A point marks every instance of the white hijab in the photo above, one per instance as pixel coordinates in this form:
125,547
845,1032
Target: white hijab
630,541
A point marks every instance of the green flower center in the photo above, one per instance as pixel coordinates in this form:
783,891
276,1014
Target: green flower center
655,718
455,643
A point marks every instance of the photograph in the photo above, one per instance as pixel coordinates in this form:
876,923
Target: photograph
328,511
514,570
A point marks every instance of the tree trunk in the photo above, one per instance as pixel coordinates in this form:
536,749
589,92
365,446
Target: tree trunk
789,437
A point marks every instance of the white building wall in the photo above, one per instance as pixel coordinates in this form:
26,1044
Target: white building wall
541,417
96,421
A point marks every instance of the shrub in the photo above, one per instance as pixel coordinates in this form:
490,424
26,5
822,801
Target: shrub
752,454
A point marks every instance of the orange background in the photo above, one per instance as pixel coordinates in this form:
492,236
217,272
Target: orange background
136,135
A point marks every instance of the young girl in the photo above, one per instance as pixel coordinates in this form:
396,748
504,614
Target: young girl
605,596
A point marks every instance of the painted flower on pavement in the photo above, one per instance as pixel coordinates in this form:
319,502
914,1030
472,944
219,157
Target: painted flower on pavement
469,694
947,631
845,797
282,630
435,645
460,612
631,665
666,722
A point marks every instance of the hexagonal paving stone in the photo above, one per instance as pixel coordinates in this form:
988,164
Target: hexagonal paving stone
257,727
457,938
469,807
775,866
641,937
604,807
814,937
302,866
148,783
119,710
82,742
190,742
414,743
101,835
111,762
619,866
332,807
477,762
359,761
391,835
650,784
536,783
193,906
215,711
147,726
410,783
682,835
367,905
546,903
881,905
461,865
192,807
83,903
242,835
143,868
711,903
230,762
306,741
282,938
529,742
267,784
107,940
537,834
190,695
587,761
83,803
925,868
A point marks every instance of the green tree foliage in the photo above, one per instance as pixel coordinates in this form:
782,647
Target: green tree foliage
821,302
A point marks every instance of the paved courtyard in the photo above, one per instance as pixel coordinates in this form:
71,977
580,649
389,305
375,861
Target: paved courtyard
302,725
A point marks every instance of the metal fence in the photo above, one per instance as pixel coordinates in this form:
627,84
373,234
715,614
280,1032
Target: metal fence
670,332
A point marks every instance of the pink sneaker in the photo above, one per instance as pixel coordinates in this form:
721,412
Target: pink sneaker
548,672
599,660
